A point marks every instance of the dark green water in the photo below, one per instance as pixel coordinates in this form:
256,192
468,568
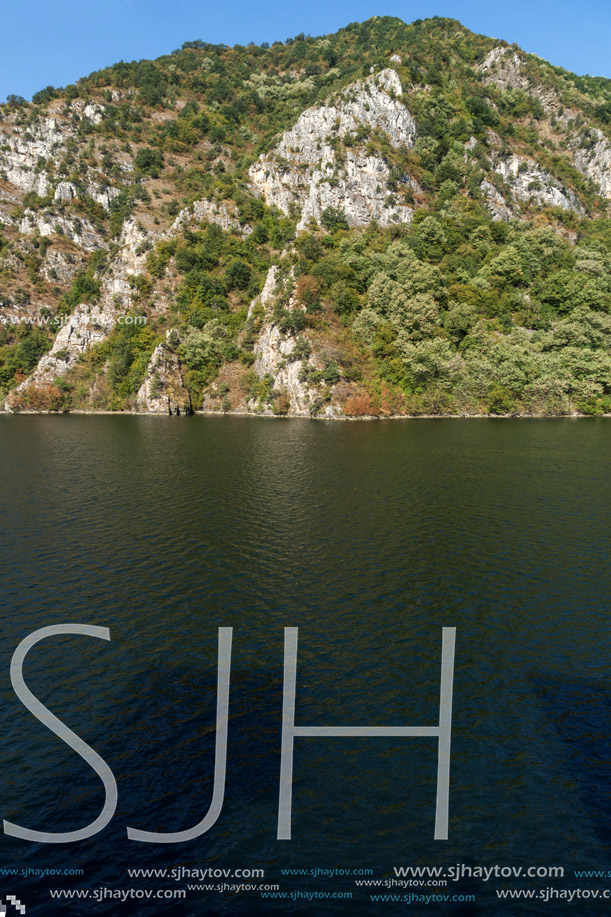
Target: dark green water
369,537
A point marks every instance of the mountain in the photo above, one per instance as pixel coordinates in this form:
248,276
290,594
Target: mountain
394,219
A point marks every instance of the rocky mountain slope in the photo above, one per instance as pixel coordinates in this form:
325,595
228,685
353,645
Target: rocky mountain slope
396,219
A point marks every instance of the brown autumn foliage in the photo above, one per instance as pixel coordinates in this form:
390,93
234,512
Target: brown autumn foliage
38,398
359,405
385,403
391,402
307,289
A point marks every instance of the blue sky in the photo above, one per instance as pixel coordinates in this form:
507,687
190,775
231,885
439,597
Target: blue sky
55,41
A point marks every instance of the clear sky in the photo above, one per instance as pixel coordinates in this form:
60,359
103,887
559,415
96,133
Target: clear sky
54,42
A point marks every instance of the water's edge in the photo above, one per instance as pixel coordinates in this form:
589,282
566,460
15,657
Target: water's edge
573,416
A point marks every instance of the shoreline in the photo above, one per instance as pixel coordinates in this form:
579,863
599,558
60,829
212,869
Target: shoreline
367,417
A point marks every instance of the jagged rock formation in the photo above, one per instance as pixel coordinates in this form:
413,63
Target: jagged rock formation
86,326
496,202
61,267
67,191
279,362
528,182
80,231
21,156
503,67
307,171
130,261
90,324
24,157
595,160
224,215
273,356
164,388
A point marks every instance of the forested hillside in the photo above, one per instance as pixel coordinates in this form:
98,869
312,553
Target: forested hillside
395,219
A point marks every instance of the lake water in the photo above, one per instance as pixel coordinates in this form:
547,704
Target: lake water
368,536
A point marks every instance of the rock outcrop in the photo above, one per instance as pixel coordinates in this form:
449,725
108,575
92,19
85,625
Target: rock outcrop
25,155
503,68
528,182
79,230
86,326
224,215
61,267
273,358
496,202
90,324
277,358
266,295
130,261
164,388
66,191
594,160
308,171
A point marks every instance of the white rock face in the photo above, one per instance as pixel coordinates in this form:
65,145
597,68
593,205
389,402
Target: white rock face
528,181
25,153
78,229
67,191
503,67
595,161
58,267
129,262
88,325
273,357
224,216
271,352
91,111
21,160
496,202
91,324
359,190
373,102
273,348
164,389
306,171
267,293
103,194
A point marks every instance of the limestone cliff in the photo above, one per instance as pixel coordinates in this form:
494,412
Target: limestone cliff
280,356
593,158
307,171
164,390
528,182
89,324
